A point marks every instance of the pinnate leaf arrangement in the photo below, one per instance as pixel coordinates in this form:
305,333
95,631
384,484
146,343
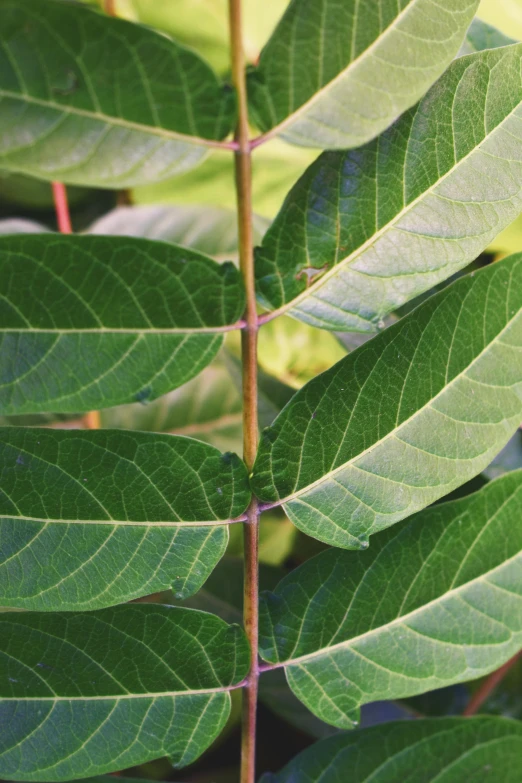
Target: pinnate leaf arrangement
121,639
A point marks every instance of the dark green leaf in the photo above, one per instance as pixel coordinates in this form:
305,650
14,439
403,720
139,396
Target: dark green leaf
83,694
94,518
363,232
435,601
88,322
91,100
406,418
423,751
481,36
335,75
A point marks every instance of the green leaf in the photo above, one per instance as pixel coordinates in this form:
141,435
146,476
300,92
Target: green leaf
77,87
510,458
336,75
94,518
481,36
83,694
363,232
435,601
406,418
210,230
207,408
446,751
108,321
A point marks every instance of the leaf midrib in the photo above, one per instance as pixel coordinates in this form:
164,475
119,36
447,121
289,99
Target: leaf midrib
119,522
400,426
354,256
145,330
119,122
122,697
276,129
347,644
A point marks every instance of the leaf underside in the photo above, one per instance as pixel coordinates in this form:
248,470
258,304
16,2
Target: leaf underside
404,419
435,601
98,101
335,75
89,519
112,689
362,232
109,320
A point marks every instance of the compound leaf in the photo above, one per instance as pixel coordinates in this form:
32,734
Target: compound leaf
87,693
94,518
441,751
108,320
406,418
363,232
92,100
335,75
435,601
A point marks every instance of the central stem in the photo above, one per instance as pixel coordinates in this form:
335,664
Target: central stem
243,167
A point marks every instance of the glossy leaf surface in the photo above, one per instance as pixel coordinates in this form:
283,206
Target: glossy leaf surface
363,232
91,100
94,518
83,694
435,601
335,75
446,751
107,320
406,418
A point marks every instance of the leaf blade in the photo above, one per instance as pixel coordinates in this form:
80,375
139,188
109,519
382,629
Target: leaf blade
363,232
447,751
109,516
134,318
149,681
422,632
70,103
377,64
403,420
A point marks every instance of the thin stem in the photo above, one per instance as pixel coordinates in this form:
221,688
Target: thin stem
61,206
243,168
489,685
91,420
110,7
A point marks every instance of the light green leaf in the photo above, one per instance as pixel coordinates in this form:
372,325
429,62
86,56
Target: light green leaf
108,321
481,36
94,518
208,408
336,75
210,230
92,100
406,418
452,750
435,601
365,231
504,14
83,694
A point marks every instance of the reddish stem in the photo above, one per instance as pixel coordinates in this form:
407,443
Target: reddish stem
61,205
488,686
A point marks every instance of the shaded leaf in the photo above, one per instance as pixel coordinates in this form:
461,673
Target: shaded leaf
435,601
481,36
446,751
510,458
211,230
109,320
208,408
94,518
336,75
363,232
406,418
77,87
83,694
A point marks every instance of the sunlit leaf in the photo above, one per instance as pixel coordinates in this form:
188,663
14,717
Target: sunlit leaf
406,418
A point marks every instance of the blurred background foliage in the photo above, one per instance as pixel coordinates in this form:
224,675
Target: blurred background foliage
197,210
